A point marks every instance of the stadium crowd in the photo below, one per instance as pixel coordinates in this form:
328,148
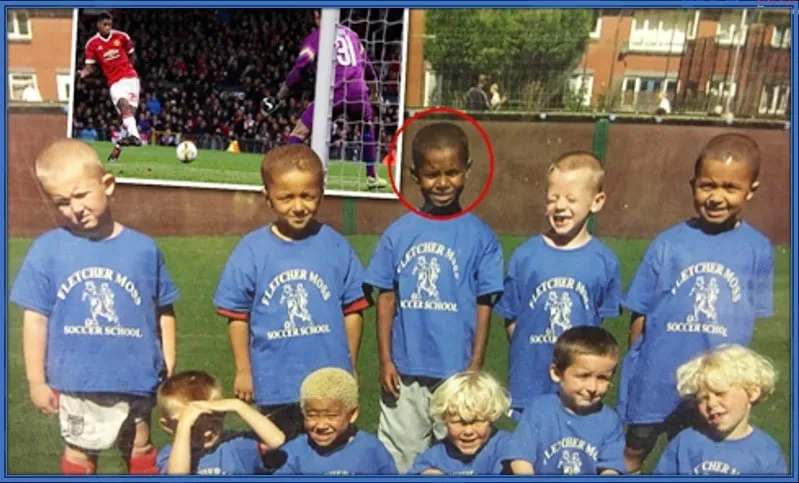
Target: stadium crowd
204,72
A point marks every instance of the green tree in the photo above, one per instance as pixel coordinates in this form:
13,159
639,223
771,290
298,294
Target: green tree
530,51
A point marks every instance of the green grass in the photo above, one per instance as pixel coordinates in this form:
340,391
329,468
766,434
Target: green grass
35,445
161,163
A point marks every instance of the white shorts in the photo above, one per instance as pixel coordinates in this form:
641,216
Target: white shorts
126,89
94,421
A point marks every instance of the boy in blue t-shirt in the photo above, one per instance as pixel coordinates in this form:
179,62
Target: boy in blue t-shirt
333,444
560,279
292,291
192,411
98,327
701,283
571,432
437,279
725,384
470,404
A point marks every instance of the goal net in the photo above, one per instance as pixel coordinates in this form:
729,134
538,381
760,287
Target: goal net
362,124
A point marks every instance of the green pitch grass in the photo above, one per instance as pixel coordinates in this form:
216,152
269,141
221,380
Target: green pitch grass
34,445
161,163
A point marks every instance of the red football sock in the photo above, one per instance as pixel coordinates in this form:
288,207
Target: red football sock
71,468
144,464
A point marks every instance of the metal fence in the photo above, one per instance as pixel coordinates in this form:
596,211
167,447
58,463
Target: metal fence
695,62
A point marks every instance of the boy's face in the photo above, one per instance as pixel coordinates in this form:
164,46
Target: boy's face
585,382
205,430
441,176
467,436
721,189
727,411
327,421
571,197
294,196
104,27
81,198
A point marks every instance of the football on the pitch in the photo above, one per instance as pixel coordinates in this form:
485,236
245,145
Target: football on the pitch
187,152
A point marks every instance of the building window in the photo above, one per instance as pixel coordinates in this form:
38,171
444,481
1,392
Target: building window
643,93
63,83
774,99
728,29
717,93
662,31
580,87
23,87
781,37
597,24
18,23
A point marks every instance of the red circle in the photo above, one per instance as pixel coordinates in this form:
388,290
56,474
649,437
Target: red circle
391,159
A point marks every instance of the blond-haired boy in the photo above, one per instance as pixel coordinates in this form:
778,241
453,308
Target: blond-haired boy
725,384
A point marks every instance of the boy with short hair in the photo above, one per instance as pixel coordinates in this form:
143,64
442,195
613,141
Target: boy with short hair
701,283
292,291
725,384
559,279
437,279
99,328
333,444
469,403
572,432
193,411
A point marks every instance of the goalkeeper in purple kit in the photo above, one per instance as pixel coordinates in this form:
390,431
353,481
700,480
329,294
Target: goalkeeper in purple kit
350,94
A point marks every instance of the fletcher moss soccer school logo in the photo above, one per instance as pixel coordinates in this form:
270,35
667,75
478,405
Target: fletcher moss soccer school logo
293,286
100,288
558,305
426,262
569,451
706,280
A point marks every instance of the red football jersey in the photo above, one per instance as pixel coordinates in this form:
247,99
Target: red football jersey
112,55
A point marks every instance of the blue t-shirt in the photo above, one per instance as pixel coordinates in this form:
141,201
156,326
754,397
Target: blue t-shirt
295,293
548,291
446,458
693,453
363,455
697,292
100,299
437,269
236,454
559,442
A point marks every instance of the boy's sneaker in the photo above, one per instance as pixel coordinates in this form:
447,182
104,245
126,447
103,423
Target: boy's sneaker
114,153
376,182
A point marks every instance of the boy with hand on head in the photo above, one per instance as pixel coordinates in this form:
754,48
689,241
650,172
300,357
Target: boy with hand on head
292,291
193,411
725,384
469,403
98,327
333,444
437,280
701,283
559,279
572,432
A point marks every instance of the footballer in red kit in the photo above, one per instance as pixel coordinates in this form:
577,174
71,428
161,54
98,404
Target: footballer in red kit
114,52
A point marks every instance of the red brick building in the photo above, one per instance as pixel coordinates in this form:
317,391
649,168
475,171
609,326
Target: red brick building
700,58
39,54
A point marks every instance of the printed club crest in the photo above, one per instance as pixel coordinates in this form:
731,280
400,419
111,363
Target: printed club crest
101,304
75,425
296,302
427,273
